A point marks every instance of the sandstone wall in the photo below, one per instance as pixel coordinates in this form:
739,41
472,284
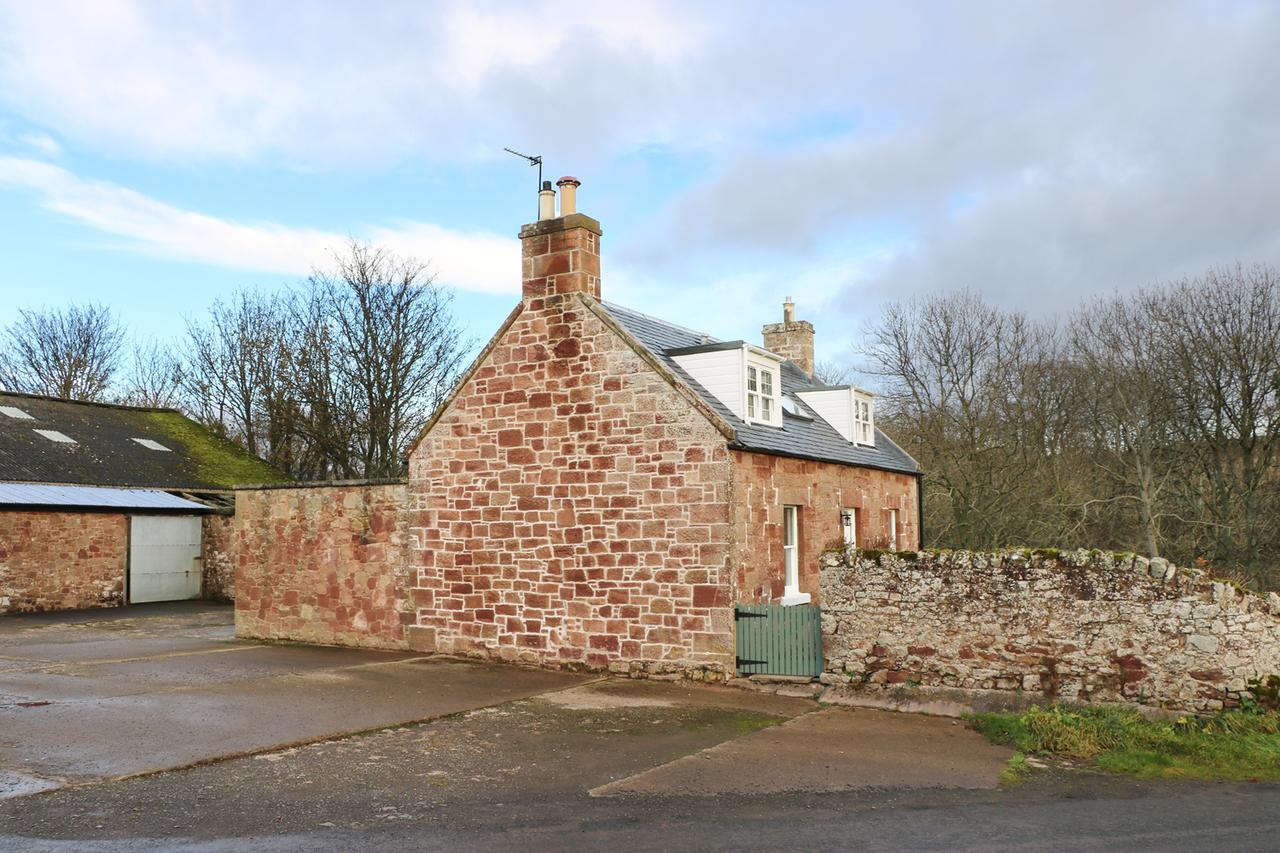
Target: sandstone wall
321,564
1077,626
571,507
62,560
763,484
218,557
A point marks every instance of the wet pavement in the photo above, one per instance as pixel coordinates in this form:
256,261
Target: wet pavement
163,686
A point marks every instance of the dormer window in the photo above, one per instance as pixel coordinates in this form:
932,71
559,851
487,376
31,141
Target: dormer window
862,424
850,411
762,392
745,379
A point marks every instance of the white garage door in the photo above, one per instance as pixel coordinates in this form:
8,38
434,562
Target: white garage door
164,558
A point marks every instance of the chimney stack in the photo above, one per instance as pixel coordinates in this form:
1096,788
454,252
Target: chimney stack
792,339
560,254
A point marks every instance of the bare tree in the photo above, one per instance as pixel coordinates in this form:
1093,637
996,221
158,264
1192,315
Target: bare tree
394,348
154,377
336,376
1121,350
833,373
238,373
72,353
1221,339
971,391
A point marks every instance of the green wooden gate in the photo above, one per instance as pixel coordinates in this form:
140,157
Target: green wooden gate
777,640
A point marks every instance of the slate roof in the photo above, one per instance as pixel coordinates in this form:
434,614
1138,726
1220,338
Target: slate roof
106,454
802,438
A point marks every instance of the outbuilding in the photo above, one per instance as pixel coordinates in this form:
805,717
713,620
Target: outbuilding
103,505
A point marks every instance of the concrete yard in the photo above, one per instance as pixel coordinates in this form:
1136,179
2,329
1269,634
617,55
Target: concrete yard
102,694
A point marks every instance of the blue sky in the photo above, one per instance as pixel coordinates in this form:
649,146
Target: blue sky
156,156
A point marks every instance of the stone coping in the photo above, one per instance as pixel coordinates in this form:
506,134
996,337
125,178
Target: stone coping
321,484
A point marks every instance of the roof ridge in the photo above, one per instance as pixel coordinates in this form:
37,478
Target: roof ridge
102,405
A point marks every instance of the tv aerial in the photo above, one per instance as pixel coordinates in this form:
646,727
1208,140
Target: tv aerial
535,160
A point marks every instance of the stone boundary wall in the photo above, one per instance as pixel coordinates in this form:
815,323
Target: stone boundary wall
61,560
1078,626
322,564
218,557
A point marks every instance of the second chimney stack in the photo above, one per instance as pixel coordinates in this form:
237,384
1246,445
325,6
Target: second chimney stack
792,338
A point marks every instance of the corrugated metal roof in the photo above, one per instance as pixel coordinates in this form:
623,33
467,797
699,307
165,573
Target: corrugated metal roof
40,494
806,437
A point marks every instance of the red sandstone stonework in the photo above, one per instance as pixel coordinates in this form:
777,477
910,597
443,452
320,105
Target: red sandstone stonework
218,557
764,484
571,506
321,565
61,560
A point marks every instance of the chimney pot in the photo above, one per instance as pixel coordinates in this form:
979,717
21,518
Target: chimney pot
568,194
788,311
546,202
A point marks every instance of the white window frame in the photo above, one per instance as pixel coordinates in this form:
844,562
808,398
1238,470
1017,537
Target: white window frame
761,390
791,593
892,524
864,419
849,526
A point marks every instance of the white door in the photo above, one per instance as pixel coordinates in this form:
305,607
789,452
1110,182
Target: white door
164,558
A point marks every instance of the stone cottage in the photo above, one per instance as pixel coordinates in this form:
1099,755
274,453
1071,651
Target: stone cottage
603,486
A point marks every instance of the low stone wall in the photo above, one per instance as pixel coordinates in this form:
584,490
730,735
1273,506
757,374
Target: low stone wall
62,560
218,557
322,563
1076,626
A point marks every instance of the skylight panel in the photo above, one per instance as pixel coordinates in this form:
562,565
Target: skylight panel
16,413
792,408
152,445
54,435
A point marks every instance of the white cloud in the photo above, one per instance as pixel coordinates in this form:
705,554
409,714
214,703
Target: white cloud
477,262
43,143
334,82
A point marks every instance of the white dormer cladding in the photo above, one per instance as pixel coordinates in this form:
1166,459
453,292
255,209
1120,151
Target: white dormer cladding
745,378
850,411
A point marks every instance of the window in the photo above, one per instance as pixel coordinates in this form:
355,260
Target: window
149,444
892,524
849,524
762,394
15,412
791,593
54,435
864,428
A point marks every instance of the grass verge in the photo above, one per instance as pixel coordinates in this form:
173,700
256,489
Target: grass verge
1234,745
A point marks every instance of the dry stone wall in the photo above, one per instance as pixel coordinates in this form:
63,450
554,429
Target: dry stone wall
1077,626
322,564
61,560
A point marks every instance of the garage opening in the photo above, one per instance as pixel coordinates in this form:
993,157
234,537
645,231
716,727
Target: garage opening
164,558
